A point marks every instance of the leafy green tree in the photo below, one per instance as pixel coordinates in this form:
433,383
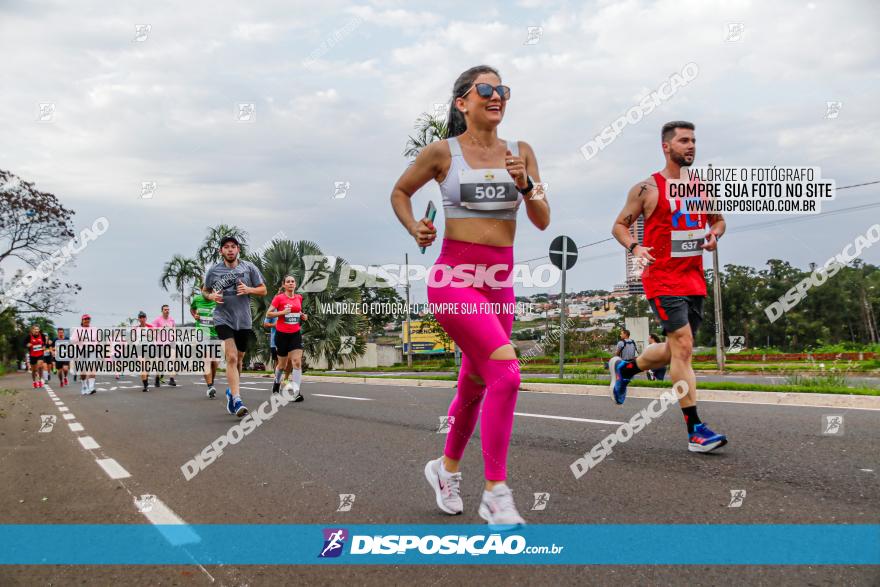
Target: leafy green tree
429,129
181,272
382,298
34,229
209,251
325,330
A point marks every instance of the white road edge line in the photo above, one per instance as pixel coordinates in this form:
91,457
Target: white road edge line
363,399
113,469
569,418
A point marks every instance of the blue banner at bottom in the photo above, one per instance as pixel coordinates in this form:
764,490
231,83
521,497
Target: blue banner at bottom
362,544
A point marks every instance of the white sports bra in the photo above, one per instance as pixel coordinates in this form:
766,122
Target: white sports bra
479,193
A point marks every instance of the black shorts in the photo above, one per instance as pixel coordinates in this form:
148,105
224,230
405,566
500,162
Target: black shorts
242,337
673,312
274,352
49,359
61,364
34,360
288,341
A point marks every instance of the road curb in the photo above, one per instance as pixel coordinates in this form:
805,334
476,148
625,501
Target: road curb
816,400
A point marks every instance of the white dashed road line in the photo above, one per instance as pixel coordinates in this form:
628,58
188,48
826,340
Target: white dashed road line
113,469
88,442
567,418
363,399
75,427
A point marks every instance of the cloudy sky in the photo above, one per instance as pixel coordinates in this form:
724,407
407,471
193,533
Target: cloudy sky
337,87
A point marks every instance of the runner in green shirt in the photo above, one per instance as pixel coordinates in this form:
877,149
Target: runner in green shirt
202,311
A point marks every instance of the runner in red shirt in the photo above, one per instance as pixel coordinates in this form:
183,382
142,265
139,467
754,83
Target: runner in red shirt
287,308
36,344
673,277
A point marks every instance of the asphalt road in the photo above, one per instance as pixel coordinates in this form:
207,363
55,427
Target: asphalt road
292,469
702,378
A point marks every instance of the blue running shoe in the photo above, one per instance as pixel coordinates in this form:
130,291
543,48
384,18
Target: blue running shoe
618,382
239,409
704,440
230,405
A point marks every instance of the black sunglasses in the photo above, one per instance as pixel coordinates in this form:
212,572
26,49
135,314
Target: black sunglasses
486,91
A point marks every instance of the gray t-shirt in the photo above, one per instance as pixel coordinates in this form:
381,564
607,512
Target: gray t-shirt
235,311
629,349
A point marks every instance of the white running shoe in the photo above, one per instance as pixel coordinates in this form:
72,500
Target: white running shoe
290,390
447,489
497,508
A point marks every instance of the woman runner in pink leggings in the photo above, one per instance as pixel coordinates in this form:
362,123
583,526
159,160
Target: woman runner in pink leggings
483,180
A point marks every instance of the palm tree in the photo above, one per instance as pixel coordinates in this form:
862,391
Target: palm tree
180,271
430,128
209,251
323,331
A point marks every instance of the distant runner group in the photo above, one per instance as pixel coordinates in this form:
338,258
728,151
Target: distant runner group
222,309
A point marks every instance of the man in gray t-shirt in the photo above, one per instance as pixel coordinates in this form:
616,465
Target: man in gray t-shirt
626,347
230,283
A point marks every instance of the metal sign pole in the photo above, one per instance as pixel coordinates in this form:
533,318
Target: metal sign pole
562,326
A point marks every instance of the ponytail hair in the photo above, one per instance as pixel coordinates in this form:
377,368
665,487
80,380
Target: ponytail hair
455,122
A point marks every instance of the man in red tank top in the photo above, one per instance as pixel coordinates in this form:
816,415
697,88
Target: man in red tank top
673,278
36,344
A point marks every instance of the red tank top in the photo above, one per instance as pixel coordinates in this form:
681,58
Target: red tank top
37,346
676,237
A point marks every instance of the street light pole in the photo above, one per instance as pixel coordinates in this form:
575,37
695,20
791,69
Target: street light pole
719,318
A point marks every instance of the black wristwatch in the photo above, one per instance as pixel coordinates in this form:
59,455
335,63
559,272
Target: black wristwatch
632,246
528,188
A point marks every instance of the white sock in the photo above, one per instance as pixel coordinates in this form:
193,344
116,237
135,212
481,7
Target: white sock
91,383
298,377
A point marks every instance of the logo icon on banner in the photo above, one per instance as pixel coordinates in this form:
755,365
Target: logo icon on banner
832,109
445,423
735,32
346,500
534,35
541,500
318,271
334,541
832,424
340,189
736,344
737,497
47,422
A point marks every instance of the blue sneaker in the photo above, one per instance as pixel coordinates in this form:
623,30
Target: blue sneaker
704,440
618,382
230,405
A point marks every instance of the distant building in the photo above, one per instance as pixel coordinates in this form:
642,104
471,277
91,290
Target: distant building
633,267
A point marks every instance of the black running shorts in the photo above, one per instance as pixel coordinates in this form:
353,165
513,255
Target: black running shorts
673,312
241,337
288,341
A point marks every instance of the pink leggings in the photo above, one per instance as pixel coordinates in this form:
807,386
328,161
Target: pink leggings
479,319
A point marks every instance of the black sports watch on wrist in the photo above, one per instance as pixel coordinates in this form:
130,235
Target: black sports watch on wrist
632,246
528,188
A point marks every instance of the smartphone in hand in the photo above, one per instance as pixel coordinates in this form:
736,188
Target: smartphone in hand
430,214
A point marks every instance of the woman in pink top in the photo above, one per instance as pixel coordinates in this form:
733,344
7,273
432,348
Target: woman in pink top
287,307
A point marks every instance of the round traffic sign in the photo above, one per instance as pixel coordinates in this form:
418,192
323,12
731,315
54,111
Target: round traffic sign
563,252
